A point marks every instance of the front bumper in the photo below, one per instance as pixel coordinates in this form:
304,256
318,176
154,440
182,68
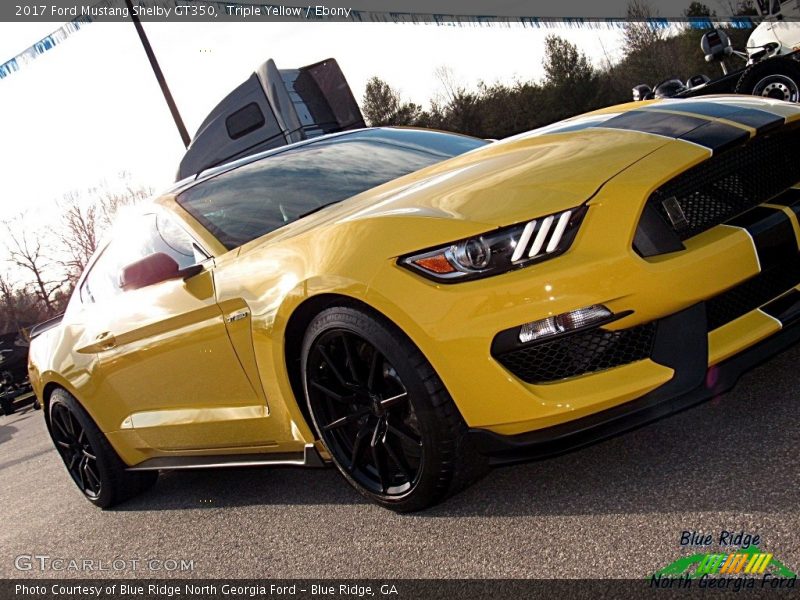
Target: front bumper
733,270
693,382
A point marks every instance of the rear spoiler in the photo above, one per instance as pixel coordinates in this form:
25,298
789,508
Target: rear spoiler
40,328
274,107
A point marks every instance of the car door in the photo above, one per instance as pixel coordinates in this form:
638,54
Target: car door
164,360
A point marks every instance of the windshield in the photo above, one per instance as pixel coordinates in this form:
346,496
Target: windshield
250,201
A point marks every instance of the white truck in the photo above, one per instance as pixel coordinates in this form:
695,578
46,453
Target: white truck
772,60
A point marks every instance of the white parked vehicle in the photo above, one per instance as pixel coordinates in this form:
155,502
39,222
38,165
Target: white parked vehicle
772,58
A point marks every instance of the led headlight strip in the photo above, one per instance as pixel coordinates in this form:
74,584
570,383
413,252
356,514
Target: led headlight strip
498,251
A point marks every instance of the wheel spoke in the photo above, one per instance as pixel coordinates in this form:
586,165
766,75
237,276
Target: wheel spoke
333,367
379,467
87,453
59,423
375,369
70,423
389,402
72,460
348,351
404,434
80,474
358,444
91,474
396,460
328,392
64,444
342,421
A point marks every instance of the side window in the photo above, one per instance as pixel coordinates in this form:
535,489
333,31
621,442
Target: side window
146,235
171,239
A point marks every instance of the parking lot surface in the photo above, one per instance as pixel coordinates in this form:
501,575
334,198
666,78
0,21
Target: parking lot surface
616,509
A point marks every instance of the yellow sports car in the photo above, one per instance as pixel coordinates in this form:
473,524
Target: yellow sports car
414,306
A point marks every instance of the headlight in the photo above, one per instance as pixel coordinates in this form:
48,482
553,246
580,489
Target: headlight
500,250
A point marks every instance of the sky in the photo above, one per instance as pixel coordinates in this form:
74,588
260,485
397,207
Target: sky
91,108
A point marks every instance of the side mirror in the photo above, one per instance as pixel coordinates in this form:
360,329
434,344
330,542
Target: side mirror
153,269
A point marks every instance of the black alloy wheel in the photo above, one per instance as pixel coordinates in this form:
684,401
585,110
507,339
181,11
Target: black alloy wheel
384,415
364,414
91,461
76,450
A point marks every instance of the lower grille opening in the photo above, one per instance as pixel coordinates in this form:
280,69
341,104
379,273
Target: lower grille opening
579,353
752,294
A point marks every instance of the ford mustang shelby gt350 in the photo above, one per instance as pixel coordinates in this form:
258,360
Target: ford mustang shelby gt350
413,306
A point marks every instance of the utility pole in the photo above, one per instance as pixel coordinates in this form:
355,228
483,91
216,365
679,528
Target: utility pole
173,108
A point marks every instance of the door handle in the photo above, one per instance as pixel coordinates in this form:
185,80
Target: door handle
105,341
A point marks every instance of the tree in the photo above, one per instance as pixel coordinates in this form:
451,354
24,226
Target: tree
742,8
47,267
26,252
698,10
110,200
79,235
563,63
9,321
642,32
382,105
569,79
19,308
86,216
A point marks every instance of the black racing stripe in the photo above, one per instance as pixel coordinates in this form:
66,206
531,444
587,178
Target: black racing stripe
772,233
647,121
790,198
711,134
717,136
786,308
760,120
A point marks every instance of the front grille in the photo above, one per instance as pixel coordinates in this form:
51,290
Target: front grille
752,294
729,184
579,353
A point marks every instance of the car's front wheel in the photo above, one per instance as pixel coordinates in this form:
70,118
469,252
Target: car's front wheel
92,463
385,416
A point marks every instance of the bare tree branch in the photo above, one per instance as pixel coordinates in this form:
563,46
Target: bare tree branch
24,247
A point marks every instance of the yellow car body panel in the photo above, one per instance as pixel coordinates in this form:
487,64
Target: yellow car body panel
200,366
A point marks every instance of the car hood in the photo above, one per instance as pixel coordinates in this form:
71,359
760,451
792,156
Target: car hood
541,172
508,181
499,184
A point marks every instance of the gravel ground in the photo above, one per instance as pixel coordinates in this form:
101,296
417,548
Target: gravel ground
614,510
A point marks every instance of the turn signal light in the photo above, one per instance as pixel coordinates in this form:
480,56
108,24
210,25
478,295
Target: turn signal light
576,319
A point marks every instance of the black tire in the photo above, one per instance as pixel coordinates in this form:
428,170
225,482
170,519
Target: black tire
773,78
94,466
386,418
6,404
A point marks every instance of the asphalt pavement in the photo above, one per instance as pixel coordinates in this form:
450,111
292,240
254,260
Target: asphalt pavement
616,509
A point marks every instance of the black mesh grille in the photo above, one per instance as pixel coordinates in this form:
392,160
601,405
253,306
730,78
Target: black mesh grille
729,184
752,294
580,353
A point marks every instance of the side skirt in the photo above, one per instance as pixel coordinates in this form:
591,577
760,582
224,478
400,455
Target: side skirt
308,458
